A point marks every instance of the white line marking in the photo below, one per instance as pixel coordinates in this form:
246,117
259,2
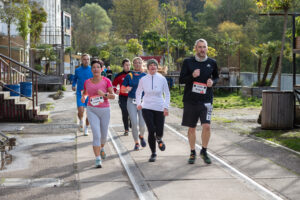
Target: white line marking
243,176
146,194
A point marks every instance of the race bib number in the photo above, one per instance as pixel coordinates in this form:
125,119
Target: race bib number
199,88
96,100
134,101
209,108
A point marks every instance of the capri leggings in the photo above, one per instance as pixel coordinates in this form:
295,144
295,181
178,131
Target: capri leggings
136,119
99,121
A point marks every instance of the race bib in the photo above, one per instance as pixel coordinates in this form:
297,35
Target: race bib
199,88
96,100
209,108
134,101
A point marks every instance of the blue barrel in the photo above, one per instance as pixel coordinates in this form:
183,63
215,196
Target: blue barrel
15,87
26,88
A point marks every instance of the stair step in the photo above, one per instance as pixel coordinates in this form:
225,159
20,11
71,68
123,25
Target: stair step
5,93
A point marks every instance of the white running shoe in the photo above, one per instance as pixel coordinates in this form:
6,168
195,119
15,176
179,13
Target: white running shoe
86,131
80,127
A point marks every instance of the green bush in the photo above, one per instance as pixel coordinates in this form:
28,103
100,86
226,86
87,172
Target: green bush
116,68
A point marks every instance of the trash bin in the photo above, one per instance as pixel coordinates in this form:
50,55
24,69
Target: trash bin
15,87
26,88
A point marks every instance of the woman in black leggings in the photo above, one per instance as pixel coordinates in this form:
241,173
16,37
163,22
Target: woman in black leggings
154,106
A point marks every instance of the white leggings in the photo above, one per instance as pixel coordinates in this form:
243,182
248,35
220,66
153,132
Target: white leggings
99,121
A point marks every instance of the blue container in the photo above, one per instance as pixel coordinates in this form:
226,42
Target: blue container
15,87
26,88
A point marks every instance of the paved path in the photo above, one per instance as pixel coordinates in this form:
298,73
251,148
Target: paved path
62,159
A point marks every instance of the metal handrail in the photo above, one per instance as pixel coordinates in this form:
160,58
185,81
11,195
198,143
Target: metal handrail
10,78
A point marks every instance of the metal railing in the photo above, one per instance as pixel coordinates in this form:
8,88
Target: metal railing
13,72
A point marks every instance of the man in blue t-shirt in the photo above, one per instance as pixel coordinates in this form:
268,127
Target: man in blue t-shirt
82,73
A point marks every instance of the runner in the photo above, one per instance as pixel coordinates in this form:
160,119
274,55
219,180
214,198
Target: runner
154,106
123,96
99,89
82,73
109,73
129,86
199,73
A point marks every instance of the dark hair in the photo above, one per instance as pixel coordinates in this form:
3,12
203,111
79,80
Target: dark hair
125,61
100,62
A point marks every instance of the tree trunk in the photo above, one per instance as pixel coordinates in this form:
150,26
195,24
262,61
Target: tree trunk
267,68
281,51
275,70
258,69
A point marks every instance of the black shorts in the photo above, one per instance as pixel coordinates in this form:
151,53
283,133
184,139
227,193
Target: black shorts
192,113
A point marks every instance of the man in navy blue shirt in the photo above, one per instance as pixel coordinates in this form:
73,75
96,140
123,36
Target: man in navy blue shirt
199,73
82,73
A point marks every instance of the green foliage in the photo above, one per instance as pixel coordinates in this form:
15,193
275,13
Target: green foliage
131,17
285,138
116,68
91,28
260,83
104,55
222,100
153,42
63,88
134,47
94,51
24,16
38,17
38,67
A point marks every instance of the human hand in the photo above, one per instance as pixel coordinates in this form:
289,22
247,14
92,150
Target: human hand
128,88
196,73
73,88
82,99
209,83
166,112
139,107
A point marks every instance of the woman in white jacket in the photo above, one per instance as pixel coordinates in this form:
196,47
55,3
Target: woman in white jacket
154,105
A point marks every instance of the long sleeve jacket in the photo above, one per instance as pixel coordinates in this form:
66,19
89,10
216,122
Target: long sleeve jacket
156,92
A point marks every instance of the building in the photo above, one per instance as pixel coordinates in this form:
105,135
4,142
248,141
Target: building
17,43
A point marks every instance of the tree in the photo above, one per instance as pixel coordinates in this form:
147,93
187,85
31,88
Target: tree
133,46
9,15
92,28
278,5
258,52
153,42
46,51
23,24
38,17
133,17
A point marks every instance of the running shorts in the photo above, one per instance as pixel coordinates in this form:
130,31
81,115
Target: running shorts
78,100
192,113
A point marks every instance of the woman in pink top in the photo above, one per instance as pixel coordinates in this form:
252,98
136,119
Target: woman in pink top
99,89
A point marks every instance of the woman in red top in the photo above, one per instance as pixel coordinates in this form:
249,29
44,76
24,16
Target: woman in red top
123,96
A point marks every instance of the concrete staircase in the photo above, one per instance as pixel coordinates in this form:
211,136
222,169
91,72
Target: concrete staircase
19,109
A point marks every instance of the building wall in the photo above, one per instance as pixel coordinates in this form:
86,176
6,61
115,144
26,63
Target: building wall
248,78
51,33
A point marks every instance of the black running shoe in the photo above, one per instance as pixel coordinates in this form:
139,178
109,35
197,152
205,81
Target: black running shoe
161,145
126,133
205,157
152,158
192,158
142,140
